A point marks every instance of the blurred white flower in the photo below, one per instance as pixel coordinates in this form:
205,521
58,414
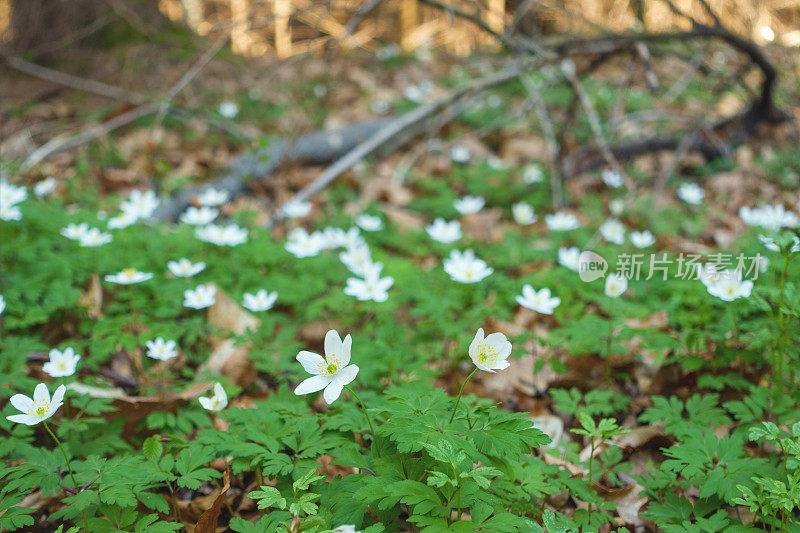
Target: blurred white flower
332,372
228,109
372,287
642,239
230,235
94,238
161,349
301,244
727,285
296,209
140,204
75,232
490,353
460,153
10,212
691,193
61,364
39,408
523,213
561,221
616,206
541,302
443,231
532,174
11,194
469,205
201,297
369,222
569,257
770,217
123,220
212,197
612,178
615,285
495,163
183,268
128,276
45,187
613,231
2,304
217,402
199,216
357,259
466,268
260,301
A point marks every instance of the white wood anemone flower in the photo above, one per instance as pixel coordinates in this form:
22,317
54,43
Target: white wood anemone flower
200,298
128,276
61,364
75,232
491,352
369,222
183,268
443,231
372,287
569,257
217,402
201,216
161,349
561,221
39,408
466,268
541,301
260,301
212,197
469,205
615,285
94,238
332,372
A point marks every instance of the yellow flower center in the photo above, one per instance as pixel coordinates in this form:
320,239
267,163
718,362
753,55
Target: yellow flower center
40,409
330,366
487,355
128,272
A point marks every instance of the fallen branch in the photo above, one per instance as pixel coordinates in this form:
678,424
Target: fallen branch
320,147
391,130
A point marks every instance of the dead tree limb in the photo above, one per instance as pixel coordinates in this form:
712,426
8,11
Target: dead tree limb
396,127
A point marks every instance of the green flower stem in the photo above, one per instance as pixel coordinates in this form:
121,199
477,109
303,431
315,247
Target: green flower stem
610,338
69,468
58,442
225,415
782,327
460,392
371,429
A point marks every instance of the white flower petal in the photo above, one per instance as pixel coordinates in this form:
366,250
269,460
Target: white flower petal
313,384
311,361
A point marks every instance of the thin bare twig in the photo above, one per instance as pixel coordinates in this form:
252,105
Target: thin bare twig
66,142
568,69
189,75
68,80
556,174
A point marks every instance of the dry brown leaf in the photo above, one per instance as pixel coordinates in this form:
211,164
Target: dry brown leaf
208,520
403,218
483,226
